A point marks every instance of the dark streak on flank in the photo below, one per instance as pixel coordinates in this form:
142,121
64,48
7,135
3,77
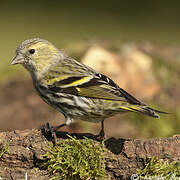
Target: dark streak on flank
68,106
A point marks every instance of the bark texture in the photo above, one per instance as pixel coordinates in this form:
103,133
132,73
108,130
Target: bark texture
124,156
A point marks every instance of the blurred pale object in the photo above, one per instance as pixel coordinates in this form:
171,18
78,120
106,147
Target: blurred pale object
131,70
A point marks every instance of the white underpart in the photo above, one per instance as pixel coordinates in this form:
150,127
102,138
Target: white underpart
68,121
67,101
80,101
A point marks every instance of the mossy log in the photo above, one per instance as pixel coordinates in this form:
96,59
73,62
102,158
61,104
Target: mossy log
21,153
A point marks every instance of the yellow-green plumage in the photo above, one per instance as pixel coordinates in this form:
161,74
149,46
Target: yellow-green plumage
73,88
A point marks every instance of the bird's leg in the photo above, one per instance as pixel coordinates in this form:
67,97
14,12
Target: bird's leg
101,133
67,122
60,126
49,132
53,132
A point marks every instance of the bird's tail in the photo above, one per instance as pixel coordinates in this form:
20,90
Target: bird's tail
143,109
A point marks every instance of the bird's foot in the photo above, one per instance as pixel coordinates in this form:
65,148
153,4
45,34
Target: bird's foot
60,126
100,136
49,132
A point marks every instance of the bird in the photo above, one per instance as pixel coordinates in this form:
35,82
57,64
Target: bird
74,89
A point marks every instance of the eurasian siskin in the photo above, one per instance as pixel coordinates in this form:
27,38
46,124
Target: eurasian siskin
74,89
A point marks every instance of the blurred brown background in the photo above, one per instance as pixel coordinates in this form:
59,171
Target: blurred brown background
136,43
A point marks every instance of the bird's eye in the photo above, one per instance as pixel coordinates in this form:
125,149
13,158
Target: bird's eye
32,51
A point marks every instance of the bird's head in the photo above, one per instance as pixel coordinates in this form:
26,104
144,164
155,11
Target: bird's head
36,55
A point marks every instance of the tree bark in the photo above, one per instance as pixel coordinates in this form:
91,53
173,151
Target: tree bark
123,158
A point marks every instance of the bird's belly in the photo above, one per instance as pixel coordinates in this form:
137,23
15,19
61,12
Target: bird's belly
79,108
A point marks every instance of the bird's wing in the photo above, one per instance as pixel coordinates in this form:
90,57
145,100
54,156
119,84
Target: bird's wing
86,83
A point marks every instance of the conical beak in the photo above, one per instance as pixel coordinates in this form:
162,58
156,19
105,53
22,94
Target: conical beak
19,59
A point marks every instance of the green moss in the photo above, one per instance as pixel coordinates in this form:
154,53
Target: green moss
4,148
160,168
76,159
